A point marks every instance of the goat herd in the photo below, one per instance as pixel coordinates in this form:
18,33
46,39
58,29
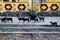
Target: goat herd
29,18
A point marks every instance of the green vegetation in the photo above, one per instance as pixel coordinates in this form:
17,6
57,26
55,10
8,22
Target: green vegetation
23,25
32,11
51,26
15,25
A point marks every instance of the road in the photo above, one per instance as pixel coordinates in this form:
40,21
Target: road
29,30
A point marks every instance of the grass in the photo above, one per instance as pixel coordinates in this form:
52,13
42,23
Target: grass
14,25
51,25
9,25
17,25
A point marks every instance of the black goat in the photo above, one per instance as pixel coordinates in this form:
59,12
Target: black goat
41,18
35,20
4,19
33,17
9,19
24,19
53,23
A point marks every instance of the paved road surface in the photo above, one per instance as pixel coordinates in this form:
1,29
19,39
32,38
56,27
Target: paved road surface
28,29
